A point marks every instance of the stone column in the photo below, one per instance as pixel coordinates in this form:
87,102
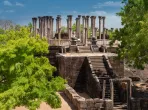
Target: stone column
69,26
104,44
51,25
77,34
79,26
93,25
100,26
48,28
40,26
59,27
107,36
34,20
42,22
56,25
46,25
112,90
104,89
83,24
86,29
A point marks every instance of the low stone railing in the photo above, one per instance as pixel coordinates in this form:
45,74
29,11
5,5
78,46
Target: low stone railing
56,42
87,104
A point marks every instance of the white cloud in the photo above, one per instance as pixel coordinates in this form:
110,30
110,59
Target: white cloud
112,21
7,3
19,4
10,11
108,4
98,13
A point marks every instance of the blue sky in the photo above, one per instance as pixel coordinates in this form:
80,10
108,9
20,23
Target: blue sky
21,11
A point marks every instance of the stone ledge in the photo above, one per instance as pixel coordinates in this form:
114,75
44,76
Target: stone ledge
87,104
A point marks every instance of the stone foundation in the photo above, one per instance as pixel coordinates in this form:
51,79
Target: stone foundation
69,68
87,104
117,66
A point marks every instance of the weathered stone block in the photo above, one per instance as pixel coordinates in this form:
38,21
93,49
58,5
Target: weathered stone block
74,100
96,100
90,102
81,103
108,105
98,105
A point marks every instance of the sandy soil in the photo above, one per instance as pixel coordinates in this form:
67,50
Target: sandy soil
66,104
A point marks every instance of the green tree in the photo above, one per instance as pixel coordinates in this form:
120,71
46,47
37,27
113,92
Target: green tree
30,26
133,35
63,29
17,27
74,27
2,31
25,74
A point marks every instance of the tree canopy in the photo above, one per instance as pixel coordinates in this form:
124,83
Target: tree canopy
133,35
25,74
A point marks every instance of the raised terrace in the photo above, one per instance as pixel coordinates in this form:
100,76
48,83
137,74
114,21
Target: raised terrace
94,74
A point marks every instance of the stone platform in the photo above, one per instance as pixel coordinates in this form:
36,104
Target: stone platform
86,54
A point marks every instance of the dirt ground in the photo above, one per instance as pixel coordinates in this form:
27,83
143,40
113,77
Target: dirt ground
66,104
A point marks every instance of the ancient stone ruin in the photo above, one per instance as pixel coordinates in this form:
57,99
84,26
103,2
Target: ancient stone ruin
95,76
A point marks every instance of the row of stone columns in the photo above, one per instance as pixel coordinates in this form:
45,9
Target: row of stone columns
46,27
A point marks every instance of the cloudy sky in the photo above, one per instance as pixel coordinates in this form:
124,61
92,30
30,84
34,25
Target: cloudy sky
21,11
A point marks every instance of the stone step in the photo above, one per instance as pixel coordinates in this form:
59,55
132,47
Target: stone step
85,51
83,47
97,63
96,58
99,67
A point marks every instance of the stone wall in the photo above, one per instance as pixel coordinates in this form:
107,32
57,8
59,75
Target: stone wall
139,104
139,93
87,104
69,68
118,66
92,81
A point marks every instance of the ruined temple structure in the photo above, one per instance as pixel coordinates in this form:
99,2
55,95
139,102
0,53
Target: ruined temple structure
96,79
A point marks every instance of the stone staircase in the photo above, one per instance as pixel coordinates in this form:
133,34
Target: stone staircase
98,66
84,49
